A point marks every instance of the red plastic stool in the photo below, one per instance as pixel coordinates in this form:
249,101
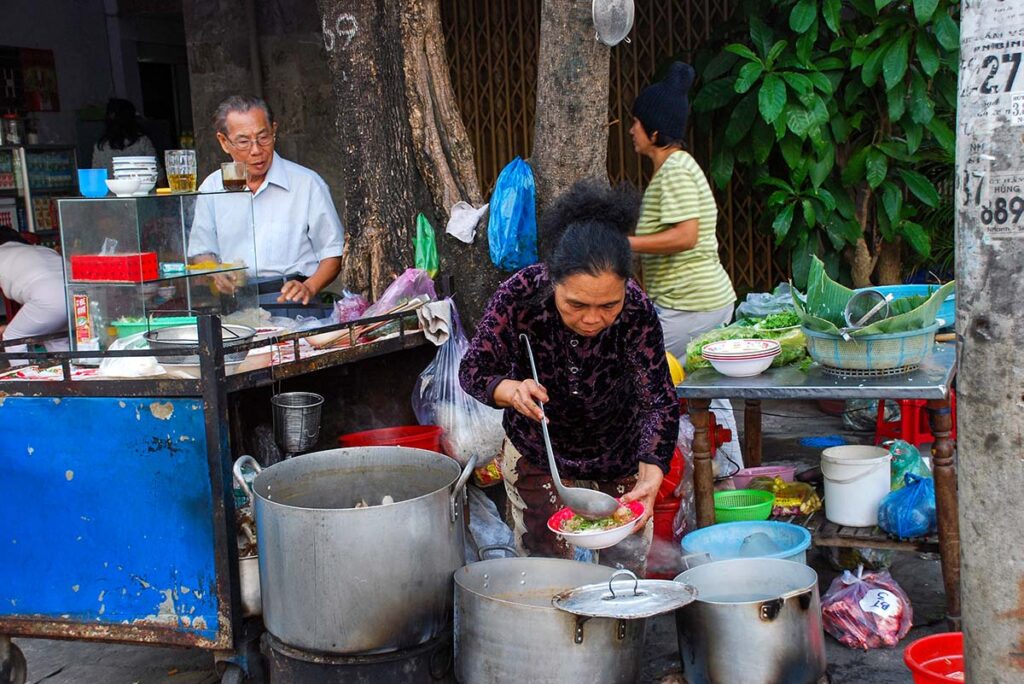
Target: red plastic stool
912,427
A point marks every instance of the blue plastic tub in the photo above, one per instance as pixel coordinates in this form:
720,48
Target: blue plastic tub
947,312
723,541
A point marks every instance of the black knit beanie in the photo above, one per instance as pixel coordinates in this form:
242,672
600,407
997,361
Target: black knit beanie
664,106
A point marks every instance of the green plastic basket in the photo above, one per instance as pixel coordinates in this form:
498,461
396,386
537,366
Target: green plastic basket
743,504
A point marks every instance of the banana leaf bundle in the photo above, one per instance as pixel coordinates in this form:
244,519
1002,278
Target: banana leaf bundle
826,300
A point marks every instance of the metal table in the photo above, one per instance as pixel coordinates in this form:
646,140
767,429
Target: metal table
932,382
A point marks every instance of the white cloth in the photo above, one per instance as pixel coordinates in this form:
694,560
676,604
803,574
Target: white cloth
436,320
296,224
33,277
463,221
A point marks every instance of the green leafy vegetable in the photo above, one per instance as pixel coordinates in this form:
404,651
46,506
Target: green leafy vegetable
794,344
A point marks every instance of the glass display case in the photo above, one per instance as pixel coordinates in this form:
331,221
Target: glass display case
134,264
31,178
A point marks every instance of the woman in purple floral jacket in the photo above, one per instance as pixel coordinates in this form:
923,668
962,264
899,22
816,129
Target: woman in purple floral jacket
604,379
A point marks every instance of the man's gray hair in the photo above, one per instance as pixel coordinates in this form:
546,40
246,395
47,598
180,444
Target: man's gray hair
239,104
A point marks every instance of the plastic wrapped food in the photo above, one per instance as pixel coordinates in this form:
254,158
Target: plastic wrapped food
794,344
905,459
791,498
349,308
866,610
909,512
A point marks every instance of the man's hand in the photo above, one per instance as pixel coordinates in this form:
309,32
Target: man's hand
526,397
224,282
645,491
294,291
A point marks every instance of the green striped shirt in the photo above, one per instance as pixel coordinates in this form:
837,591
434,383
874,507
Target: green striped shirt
693,280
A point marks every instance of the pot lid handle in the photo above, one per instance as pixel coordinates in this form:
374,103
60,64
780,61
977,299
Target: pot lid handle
619,573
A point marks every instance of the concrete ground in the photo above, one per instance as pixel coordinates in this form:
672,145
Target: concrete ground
785,423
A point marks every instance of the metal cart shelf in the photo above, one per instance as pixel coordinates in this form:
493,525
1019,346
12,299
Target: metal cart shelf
117,498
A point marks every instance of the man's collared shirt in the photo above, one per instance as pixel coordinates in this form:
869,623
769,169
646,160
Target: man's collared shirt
296,224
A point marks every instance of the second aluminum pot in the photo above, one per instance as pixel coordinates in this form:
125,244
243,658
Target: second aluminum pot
344,580
756,621
507,630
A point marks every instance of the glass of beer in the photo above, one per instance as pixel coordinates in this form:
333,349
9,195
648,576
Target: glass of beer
234,175
181,170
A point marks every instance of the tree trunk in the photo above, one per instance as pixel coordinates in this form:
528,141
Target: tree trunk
402,141
862,263
889,269
861,257
571,132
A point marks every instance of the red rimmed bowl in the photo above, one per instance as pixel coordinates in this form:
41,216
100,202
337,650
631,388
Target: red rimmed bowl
744,366
596,539
741,348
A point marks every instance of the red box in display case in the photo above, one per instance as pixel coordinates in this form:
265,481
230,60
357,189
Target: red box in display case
124,268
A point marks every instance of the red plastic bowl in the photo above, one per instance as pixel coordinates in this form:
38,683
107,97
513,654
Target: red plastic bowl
416,436
932,659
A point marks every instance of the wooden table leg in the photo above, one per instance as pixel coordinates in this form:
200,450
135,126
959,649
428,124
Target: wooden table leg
703,473
946,508
752,433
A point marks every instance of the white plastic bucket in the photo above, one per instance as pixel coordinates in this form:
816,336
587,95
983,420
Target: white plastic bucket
856,480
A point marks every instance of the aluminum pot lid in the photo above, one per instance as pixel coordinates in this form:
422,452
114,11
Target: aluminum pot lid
613,20
627,599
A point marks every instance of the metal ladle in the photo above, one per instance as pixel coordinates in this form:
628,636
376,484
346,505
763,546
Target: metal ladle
588,503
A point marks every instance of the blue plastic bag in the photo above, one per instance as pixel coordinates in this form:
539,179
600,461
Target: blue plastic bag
910,511
512,226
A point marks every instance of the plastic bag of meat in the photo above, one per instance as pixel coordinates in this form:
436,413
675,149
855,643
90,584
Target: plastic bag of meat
866,610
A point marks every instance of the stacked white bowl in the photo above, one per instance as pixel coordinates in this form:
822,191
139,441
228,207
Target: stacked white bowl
741,358
142,168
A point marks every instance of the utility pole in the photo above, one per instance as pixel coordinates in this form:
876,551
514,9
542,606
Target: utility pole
990,326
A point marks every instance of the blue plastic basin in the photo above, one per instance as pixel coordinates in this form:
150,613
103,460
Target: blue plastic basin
723,541
947,312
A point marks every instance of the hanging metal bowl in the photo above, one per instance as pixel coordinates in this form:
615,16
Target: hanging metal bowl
613,19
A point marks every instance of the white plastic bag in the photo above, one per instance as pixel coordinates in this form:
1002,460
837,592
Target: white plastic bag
468,427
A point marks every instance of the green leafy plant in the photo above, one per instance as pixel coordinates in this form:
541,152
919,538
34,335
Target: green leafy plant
833,107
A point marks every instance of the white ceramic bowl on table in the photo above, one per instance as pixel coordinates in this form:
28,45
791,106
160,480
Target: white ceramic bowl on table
123,187
741,358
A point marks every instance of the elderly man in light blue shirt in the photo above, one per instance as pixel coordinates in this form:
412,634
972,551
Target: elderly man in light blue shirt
298,235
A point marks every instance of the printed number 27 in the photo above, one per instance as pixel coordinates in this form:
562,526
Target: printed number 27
992,64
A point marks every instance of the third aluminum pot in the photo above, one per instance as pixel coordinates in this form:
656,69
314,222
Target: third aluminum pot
756,621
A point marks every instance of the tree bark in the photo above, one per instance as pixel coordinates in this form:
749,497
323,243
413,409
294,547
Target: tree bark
571,132
889,269
862,263
404,149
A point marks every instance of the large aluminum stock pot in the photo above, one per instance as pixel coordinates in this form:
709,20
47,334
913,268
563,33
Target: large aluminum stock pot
339,579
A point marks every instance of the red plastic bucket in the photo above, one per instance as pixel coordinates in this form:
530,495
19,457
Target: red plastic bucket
672,478
936,659
663,559
417,436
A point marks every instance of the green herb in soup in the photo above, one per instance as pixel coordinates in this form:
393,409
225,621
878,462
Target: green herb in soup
578,523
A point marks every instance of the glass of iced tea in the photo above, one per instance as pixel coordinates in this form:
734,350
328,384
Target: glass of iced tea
234,175
181,170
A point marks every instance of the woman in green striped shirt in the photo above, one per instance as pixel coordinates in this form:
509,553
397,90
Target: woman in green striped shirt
675,235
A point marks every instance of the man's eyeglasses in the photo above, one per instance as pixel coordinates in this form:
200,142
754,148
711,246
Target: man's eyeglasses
245,144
